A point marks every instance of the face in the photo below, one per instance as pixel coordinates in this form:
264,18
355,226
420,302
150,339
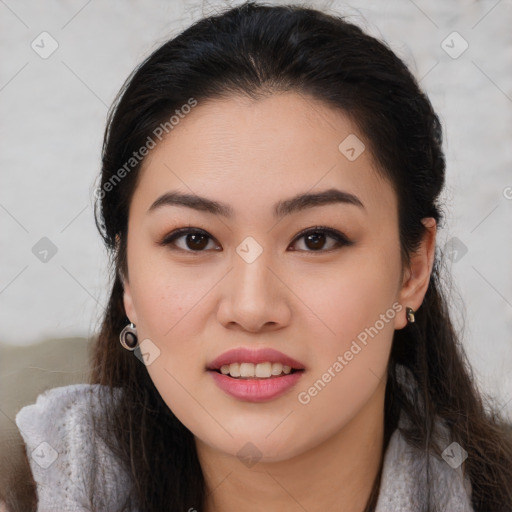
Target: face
317,280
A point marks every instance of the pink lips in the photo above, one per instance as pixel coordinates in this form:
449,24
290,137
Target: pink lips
255,390
262,355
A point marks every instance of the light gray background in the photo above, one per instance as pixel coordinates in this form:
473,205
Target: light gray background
53,114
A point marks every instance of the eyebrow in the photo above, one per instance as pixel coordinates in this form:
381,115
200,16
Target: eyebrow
281,208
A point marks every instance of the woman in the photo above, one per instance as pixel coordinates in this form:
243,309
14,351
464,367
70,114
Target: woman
276,336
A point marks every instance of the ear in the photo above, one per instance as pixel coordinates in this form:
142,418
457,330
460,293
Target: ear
128,300
417,275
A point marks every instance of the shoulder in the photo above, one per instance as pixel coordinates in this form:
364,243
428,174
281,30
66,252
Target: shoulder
61,407
66,457
405,470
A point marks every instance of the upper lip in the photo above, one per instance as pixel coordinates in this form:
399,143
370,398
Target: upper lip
245,355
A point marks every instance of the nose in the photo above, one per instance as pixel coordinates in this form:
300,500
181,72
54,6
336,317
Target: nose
253,298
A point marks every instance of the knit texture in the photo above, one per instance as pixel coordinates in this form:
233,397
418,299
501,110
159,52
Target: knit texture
62,452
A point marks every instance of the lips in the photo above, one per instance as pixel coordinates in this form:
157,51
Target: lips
263,355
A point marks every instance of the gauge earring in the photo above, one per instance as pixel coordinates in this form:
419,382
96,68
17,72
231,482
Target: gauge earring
128,337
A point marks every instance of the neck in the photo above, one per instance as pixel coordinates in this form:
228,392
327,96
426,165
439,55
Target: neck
336,474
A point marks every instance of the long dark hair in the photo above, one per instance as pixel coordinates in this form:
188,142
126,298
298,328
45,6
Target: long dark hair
257,50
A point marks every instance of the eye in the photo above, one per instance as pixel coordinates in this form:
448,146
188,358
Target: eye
315,239
195,240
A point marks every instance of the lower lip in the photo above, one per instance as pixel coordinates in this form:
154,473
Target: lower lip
256,390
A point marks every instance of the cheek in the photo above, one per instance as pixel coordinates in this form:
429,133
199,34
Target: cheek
171,308
174,320
351,353
357,324
352,328
164,294
351,298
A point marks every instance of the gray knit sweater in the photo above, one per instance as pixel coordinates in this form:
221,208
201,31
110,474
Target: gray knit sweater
60,449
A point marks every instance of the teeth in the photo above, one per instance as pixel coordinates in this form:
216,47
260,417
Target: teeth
247,370
251,370
263,370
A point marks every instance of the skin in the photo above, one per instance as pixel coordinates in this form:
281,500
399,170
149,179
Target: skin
309,304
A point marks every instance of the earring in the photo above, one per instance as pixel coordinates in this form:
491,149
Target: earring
410,315
128,337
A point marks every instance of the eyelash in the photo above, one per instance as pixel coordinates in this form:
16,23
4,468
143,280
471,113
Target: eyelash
339,237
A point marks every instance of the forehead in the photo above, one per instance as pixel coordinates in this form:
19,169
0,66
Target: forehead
244,151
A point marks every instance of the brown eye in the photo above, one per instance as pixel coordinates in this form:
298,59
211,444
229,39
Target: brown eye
315,239
193,240
196,241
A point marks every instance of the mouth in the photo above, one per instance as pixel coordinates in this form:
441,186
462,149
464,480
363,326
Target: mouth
263,363
255,375
265,370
